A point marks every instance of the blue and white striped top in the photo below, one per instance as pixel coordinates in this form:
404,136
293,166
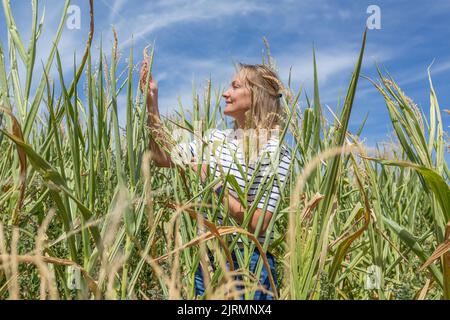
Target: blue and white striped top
264,170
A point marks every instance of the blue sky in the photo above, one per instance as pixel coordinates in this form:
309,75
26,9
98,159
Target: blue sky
200,39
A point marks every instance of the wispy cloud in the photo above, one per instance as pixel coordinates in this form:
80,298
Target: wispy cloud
200,39
162,14
418,75
199,71
116,7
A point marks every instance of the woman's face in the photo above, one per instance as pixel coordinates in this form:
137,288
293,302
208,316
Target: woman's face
238,98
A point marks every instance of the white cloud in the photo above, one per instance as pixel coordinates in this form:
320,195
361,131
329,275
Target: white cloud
180,80
421,74
329,63
115,8
334,67
162,14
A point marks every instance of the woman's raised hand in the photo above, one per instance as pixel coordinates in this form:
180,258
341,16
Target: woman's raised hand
152,93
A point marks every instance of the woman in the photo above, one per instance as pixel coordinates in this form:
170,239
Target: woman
253,101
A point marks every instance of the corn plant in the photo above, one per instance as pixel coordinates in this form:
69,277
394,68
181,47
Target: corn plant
85,213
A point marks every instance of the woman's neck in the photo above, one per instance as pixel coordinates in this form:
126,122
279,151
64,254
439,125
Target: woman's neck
240,123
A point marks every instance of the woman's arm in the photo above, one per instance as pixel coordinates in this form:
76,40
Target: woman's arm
237,210
159,156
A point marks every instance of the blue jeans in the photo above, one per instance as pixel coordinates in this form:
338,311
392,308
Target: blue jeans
263,280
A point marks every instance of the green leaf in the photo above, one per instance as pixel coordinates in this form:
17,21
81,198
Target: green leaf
51,175
433,180
411,242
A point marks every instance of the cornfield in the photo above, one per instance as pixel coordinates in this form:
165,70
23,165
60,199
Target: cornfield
85,214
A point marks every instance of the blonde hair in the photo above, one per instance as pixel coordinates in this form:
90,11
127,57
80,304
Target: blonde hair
265,117
266,91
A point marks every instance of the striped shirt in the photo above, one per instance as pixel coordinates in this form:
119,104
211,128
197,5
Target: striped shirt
265,169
